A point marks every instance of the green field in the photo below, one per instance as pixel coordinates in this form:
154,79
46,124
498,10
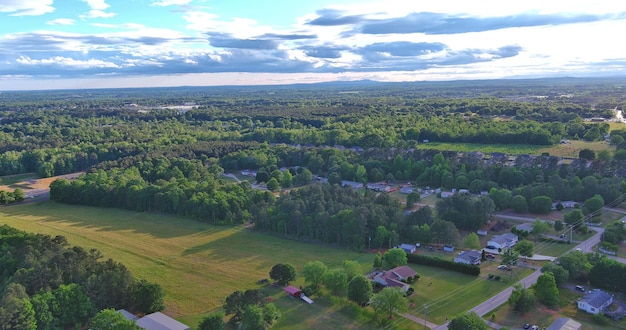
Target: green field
560,150
198,265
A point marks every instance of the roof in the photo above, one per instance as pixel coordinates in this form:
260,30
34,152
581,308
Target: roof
292,290
471,256
565,323
407,246
128,315
160,321
525,227
504,238
401,271
596,298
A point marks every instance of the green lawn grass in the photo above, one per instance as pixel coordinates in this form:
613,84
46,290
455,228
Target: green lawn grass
559,150
452,293
13,179
198,265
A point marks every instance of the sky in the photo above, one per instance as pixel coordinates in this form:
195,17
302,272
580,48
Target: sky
61,44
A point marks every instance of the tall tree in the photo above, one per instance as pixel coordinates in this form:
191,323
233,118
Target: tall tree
336,282
109,319
395,257
214,321
360,289
283,273
522,300
525,248
546,290
389,300
313,272
149,297
16,310
471,241
468,321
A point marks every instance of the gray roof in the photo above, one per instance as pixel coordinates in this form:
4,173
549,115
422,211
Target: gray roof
596,298
471,256
565,323
160,321
128,315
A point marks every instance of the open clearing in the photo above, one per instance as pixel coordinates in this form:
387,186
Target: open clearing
197,264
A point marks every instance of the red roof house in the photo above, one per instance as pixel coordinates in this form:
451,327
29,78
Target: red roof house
292,291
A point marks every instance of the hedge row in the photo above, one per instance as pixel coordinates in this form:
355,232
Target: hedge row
442,263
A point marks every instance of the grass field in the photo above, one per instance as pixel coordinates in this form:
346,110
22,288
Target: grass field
559,150
198,265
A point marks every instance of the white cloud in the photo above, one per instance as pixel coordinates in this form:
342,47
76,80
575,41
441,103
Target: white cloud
97,4
61,21
68,62
164,3
95,13
26,7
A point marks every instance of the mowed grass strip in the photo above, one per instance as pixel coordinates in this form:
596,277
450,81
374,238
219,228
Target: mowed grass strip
197,264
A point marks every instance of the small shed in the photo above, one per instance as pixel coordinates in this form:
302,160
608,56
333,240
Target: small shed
448,248
292,291
408,248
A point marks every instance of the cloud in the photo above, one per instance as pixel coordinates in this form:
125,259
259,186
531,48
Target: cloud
436,23
225,41
66,62
404,48
332,17
26,7
164,3
325,52
61,21
97,10
280,36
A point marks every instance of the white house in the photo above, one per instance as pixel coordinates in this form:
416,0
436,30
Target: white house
503,241
468,257
408,248
595,301
446,194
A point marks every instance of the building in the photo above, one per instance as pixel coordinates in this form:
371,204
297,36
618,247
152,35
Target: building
503,241
292,291
351,184
128,315
160,321
408,248
380,187
406,190
595,301
468,257
395,277
565,323
446,194
527,227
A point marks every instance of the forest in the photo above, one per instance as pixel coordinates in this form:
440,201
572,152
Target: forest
169,151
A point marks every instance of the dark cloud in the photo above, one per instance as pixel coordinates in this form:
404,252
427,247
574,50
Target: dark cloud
326,51
226,41
404,48
331,17
435,23
287,36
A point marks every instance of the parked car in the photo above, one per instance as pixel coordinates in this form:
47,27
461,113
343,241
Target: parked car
490,256
502,267
526,326
580,288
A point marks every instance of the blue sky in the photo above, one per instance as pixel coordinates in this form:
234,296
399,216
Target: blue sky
140,43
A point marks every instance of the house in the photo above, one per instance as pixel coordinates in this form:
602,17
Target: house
394,277
446,194
595,301
248,173
408,248
406,190
380,187
565,323
468,257
351,184
160,321
527,227
292,291
128,315
503,241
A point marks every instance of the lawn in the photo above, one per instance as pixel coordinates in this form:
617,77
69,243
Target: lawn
448,293
560,150
198,265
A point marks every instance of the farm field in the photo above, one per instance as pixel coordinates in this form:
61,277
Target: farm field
197,264
560,150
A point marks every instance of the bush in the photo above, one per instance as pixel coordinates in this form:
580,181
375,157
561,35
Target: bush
497,277
490,276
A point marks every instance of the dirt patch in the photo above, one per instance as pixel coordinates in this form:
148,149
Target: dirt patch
37,184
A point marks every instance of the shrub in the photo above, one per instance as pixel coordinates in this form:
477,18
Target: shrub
497,277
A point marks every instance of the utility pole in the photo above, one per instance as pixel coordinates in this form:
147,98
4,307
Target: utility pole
425,309
571,234
370,244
